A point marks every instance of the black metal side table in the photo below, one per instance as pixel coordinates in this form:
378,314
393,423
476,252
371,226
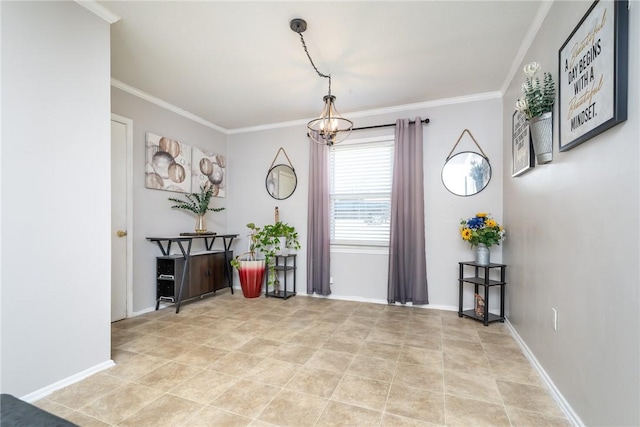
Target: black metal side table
284,265
483,280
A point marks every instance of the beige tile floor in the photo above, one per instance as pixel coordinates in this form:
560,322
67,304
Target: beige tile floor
229,361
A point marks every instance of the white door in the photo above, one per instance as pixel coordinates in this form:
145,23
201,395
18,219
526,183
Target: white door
119,216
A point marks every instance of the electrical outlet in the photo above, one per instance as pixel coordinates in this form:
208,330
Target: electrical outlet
331,280
555,319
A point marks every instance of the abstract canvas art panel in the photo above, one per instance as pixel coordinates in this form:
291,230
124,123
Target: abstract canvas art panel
168,164
209,169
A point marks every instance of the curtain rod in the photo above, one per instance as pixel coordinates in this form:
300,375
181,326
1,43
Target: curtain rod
425,121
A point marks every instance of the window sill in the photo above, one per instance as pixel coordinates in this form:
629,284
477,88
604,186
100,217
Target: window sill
354,249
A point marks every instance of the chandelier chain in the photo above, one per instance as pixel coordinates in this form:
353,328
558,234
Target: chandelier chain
304,45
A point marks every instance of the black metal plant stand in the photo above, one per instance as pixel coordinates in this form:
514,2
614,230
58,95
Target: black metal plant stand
482,280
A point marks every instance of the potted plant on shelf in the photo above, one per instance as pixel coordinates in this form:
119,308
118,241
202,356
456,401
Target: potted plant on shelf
482,231
276,239
537,106
281,237
198,203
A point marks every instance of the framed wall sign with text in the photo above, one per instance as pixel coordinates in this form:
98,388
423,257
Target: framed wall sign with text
521,148
593,74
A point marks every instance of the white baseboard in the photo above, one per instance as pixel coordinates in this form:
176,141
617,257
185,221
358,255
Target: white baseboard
555,393
237,288
150,309
382,301
45,391
166,304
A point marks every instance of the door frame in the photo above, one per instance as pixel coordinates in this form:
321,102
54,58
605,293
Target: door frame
129,199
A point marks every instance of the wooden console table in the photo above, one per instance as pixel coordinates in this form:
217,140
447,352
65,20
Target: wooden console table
166,282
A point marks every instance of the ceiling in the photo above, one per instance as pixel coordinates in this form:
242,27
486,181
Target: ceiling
238,65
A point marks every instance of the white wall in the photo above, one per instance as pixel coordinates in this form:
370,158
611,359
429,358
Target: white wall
573,246
364,276
55,193
152,213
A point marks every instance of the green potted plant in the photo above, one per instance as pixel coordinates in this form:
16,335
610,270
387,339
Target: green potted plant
250,269
198,203
281,237
276,239
270,240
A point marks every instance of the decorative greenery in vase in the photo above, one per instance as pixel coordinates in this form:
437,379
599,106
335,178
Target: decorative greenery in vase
482,228
198,203
539,97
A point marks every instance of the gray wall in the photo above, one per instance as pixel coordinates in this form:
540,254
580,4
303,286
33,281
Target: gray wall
152,213
573,246
250,155
358,274
55,194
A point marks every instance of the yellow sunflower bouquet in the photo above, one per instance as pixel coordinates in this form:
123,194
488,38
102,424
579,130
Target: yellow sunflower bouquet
482,228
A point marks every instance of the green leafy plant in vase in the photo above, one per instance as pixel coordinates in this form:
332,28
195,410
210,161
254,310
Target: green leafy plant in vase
198,203
270,240
276,239
539,96
250,269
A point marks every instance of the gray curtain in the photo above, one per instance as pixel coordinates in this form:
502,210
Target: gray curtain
407,258
318,232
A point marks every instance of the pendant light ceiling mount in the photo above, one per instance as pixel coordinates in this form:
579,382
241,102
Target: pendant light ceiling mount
298,25
330,127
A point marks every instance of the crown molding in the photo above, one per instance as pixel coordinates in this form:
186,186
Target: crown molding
379,111
542,13
166,105
428,104
99,10
365,113
269,126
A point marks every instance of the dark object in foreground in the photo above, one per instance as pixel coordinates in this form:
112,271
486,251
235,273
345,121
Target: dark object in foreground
17,413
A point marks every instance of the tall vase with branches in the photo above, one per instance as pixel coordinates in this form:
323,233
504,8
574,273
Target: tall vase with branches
198,203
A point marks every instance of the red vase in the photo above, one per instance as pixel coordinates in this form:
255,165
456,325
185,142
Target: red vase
251,277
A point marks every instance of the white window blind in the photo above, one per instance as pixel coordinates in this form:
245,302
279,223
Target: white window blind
360,191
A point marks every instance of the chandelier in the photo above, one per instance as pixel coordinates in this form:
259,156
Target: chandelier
330,128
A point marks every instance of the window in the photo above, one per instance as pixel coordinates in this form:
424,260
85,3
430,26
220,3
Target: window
360,191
